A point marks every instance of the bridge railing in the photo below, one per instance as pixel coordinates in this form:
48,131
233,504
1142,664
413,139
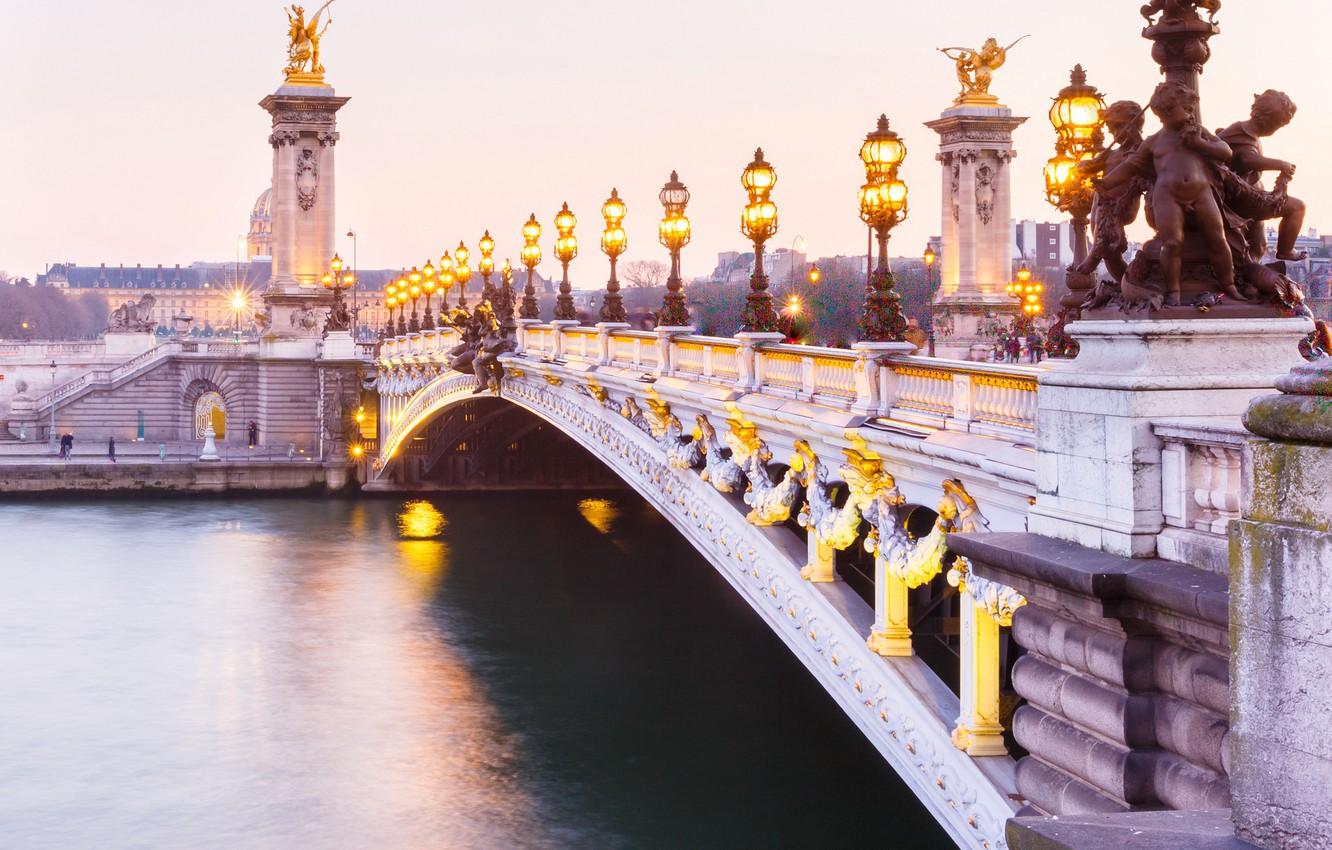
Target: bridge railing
1201,480
926,390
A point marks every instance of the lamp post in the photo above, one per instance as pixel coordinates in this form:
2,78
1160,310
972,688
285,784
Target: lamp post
487,267
390,301
52,445
338,317
1075,116
930,258
566,248
505,310
883,205
403,295
530,256
237,305
462,272
614,241
414,292
351,234
428,289
674,234
1028,294
446,279
758,223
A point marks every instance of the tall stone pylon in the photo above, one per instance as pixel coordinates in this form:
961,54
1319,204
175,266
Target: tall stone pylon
975,149
304,111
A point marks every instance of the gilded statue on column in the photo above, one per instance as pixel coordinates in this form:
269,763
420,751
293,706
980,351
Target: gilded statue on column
303,51
975,68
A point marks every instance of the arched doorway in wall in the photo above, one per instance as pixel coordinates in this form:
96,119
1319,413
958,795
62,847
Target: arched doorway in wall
210,408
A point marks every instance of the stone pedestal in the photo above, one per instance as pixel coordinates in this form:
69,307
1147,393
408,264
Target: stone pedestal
303,139
128,345
976,251
1098,467
339,345
1280,616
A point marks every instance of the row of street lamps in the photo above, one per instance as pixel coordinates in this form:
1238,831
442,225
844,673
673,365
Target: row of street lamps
1075,116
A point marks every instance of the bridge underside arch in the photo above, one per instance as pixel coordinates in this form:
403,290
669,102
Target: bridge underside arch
822,624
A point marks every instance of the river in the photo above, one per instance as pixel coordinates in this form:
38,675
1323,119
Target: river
547,671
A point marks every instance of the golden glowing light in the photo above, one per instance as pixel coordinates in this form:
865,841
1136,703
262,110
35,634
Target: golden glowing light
357,452
419,520
601,514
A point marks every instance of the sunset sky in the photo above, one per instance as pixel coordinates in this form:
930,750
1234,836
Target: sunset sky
132,131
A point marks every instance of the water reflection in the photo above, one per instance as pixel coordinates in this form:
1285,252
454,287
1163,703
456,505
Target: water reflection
600,513
420,520
294,673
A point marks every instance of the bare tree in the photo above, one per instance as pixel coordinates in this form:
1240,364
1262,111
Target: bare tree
644,274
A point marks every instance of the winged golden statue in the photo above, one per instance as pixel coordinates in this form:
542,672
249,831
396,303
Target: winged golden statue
303,51
975,68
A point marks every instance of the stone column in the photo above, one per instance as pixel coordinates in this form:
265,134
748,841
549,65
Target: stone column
977,241
303,210
1281,619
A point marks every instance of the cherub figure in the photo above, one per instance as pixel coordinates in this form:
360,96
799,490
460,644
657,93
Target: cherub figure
1179,10
1271,111
1113,210
1179,155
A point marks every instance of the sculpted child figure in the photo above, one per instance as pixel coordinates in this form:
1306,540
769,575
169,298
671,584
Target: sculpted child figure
1113,210
1178,156
1271,111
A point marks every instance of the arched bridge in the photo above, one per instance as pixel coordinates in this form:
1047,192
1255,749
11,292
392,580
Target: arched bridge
822,484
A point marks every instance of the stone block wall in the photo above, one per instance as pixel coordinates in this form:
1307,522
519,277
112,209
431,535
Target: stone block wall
1125,676
1281,574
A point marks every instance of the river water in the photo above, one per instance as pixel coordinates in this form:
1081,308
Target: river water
549,671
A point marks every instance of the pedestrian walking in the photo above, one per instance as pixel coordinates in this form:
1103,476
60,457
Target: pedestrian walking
111,449
253,432
66,445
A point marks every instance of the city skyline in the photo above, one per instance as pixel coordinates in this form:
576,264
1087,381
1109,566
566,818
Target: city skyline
450,132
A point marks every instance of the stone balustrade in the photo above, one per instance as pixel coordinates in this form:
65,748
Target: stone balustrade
984,398
1201,460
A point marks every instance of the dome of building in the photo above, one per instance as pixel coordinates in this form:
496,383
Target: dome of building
259,241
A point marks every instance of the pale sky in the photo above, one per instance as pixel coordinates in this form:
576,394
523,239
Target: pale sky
132,131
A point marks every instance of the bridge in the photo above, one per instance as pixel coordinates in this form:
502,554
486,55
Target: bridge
872,505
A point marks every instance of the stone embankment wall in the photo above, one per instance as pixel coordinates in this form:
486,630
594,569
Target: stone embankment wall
1125,676
152,476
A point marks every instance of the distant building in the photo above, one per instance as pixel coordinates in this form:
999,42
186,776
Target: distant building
1043,244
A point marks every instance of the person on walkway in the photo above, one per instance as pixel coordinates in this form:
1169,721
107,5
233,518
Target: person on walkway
111,449
253,433
66,445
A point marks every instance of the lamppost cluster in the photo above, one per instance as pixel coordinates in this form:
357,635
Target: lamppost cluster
339,317
883,205
1028,294
1076,118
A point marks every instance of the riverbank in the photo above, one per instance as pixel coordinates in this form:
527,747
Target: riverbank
27,468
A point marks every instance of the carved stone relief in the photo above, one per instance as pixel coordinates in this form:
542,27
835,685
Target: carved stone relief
307,177
985,192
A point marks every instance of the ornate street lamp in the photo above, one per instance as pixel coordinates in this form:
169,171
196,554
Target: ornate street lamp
487,267
1028,294
530,256
883,205
566,248
339,319
930,258
462,273
673,233
613,244
505,308
759,223
390,301
428,289
403,295
815,275
414,292
1076,118
446,279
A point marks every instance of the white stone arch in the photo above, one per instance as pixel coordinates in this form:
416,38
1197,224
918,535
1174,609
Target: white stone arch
764,567
199,378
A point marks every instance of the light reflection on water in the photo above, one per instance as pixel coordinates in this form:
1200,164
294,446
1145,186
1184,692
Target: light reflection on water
175,679
294,673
